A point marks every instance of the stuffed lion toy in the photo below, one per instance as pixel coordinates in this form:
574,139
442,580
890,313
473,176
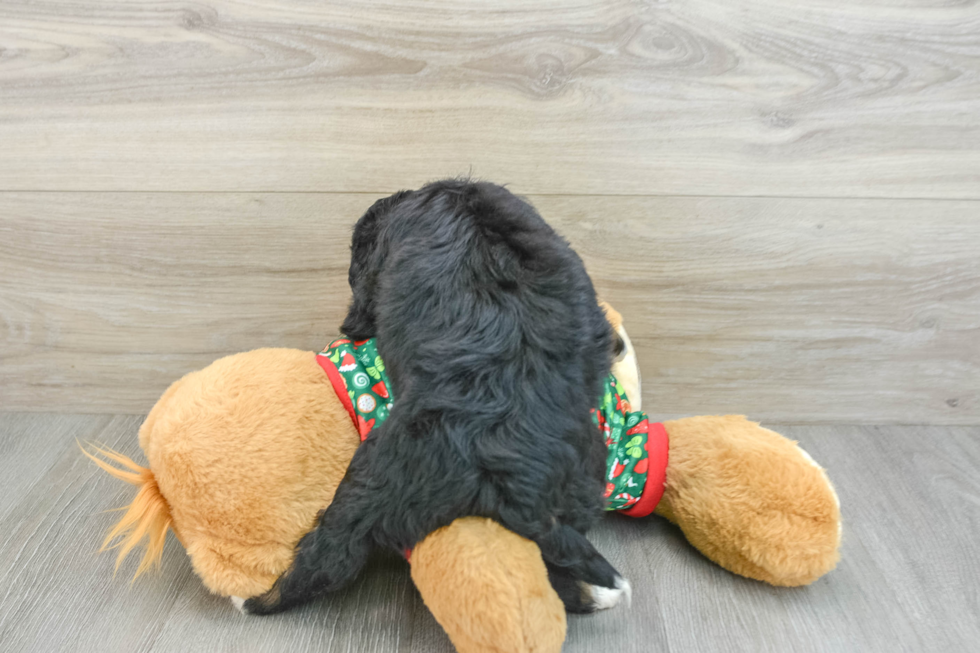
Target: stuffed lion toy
245,453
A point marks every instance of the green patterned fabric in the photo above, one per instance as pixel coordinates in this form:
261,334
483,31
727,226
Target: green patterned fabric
363,385
625,434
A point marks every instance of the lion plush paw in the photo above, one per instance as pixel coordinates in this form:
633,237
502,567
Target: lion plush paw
488,588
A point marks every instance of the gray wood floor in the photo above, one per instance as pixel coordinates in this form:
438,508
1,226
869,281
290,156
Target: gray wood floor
907,580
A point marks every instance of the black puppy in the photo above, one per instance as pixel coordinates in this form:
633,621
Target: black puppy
496,348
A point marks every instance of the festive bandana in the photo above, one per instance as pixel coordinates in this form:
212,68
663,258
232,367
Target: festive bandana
358,377
636,463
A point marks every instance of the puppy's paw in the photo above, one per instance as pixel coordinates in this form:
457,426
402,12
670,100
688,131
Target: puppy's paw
597,597
603,591
263,604
239,603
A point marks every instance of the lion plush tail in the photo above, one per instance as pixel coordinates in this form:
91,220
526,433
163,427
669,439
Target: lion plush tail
148,516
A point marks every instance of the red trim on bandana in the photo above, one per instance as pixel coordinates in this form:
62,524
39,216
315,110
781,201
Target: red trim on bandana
340,388
653,491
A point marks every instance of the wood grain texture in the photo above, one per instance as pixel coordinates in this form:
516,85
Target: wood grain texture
854,311
906,581
373,614
58,595
766,97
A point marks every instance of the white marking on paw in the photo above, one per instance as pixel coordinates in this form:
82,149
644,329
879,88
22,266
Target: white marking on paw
609,597
239,603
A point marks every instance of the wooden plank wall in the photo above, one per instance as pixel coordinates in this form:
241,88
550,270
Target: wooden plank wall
782,197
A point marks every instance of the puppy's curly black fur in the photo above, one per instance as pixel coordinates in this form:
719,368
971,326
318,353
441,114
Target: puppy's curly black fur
496,348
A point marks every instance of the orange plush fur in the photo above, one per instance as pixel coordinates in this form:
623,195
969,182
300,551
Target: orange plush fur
148,516
750,500
244,453
474,567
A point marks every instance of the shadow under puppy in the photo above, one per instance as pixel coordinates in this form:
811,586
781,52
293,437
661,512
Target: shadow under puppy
496,349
